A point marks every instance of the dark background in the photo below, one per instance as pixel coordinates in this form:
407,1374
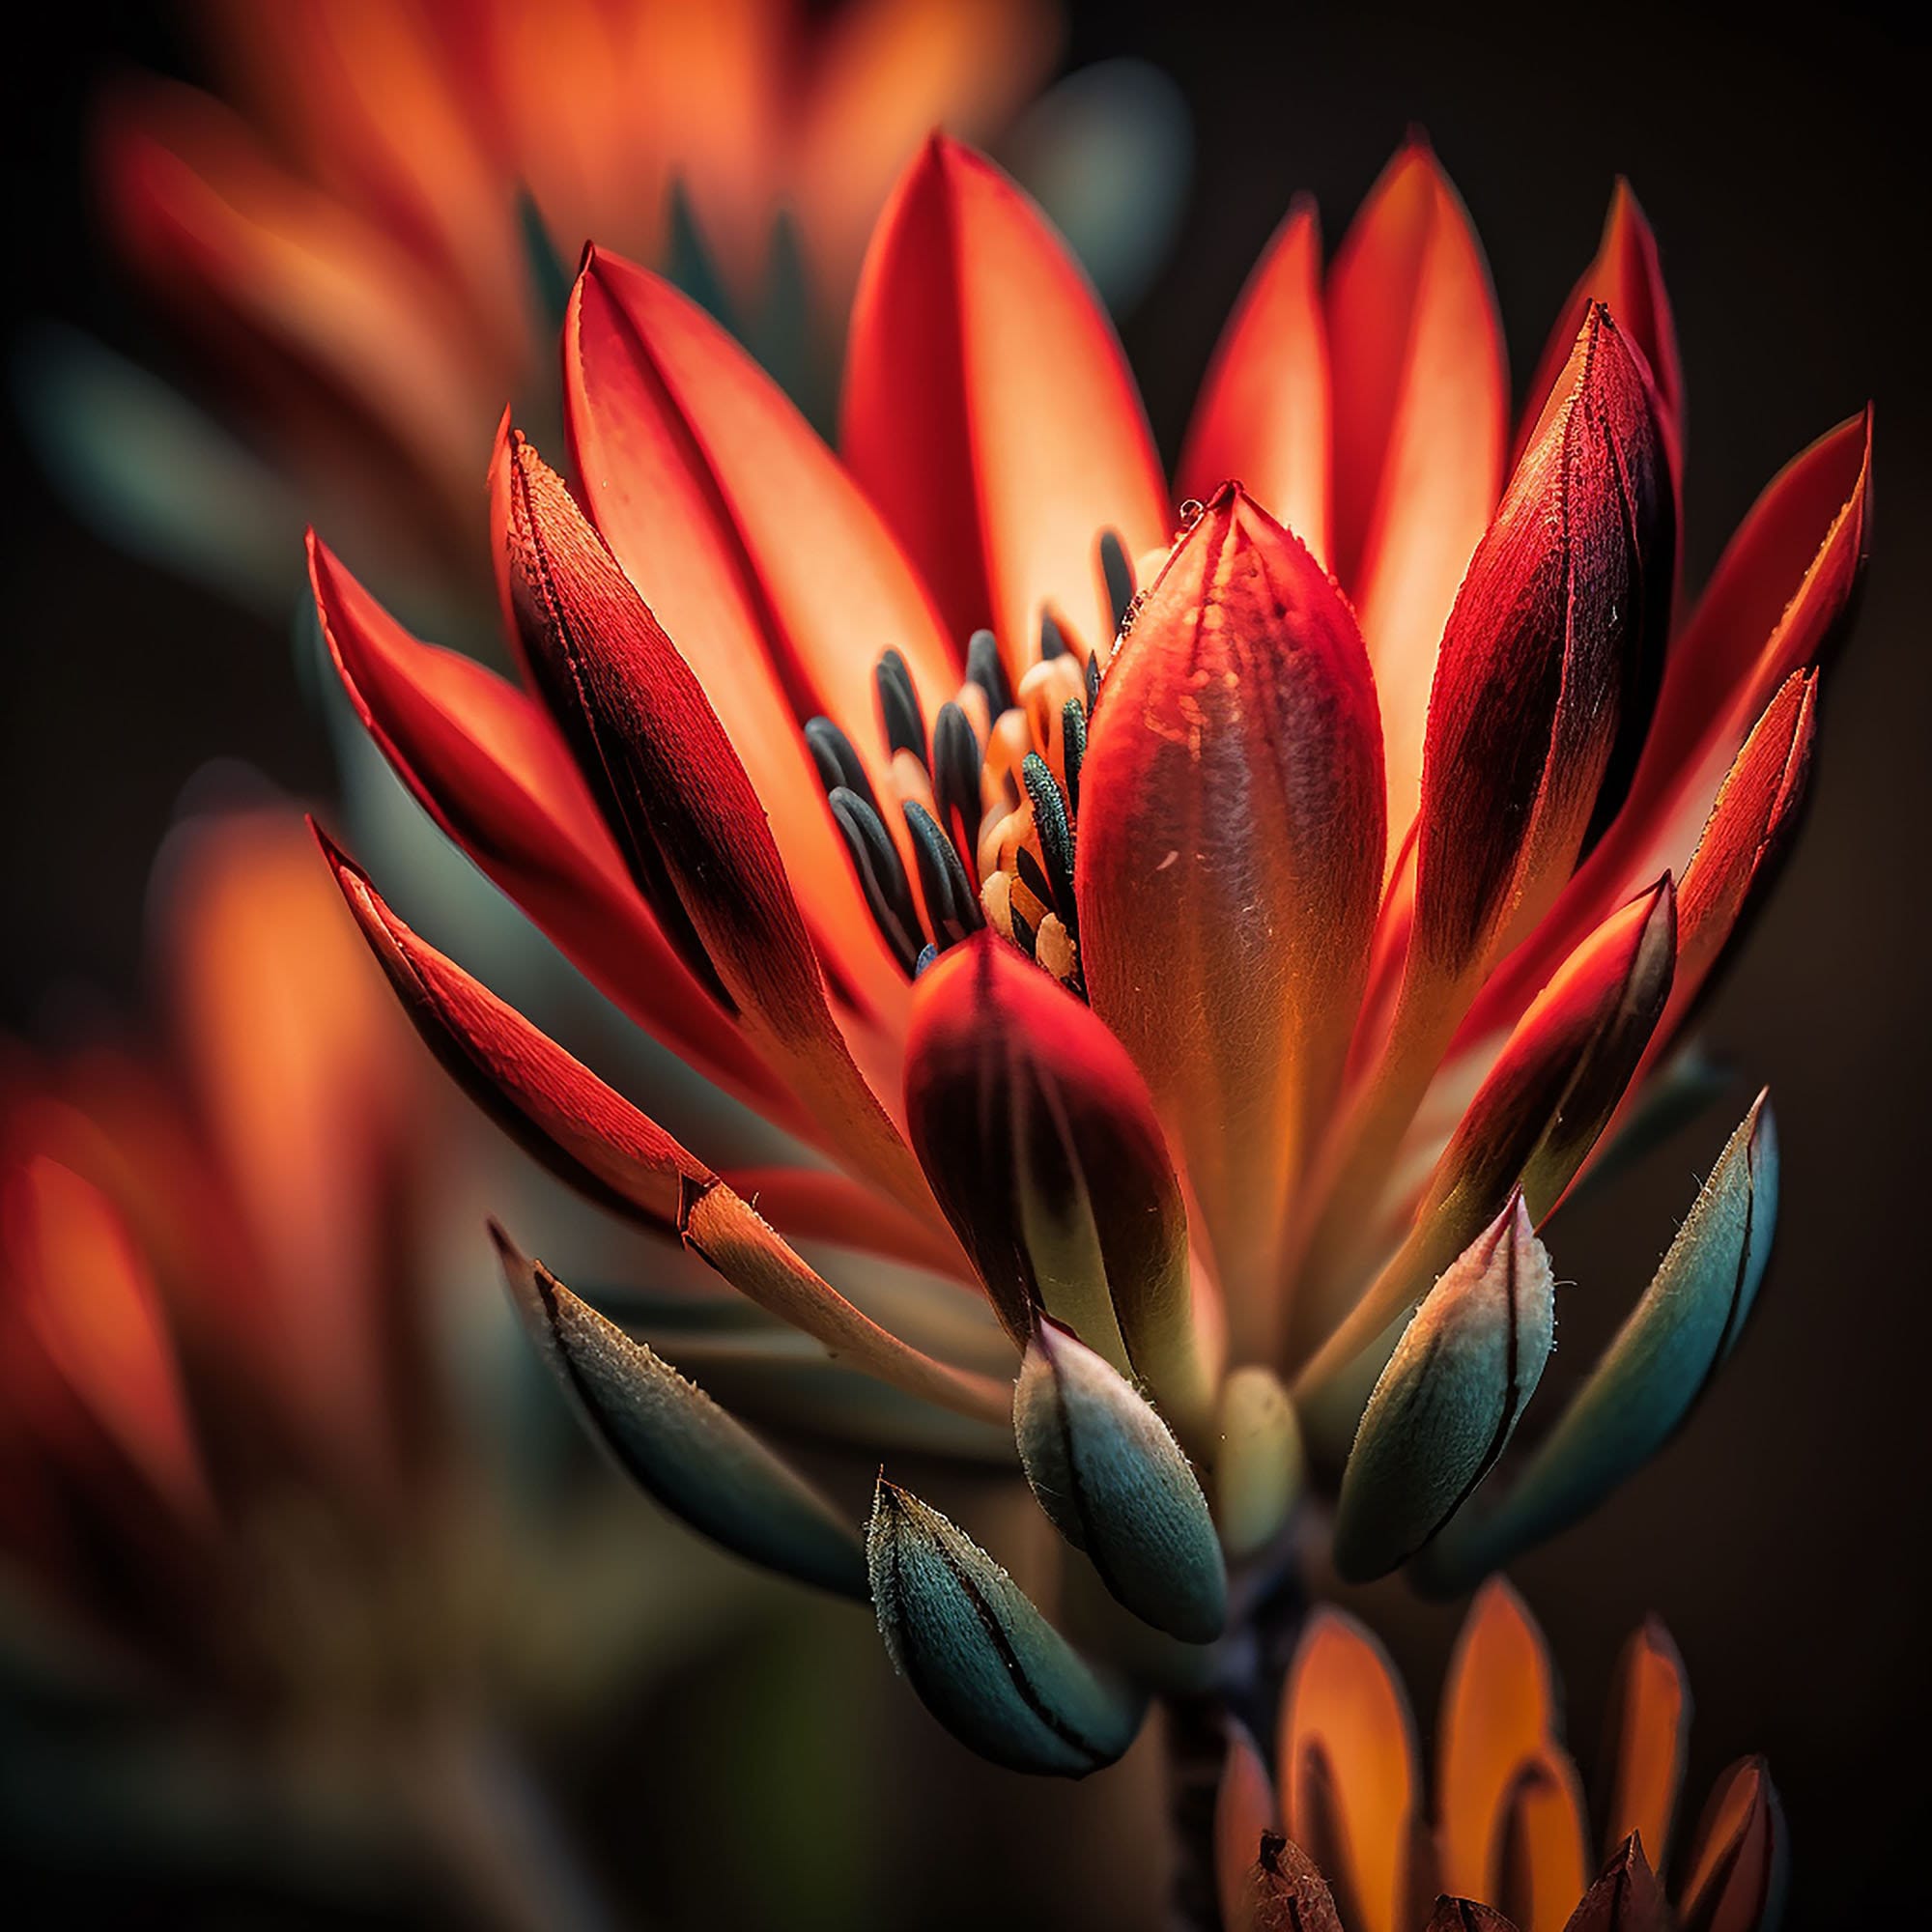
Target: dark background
1781,161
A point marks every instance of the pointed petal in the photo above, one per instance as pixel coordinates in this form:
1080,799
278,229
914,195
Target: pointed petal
1348,1742
739,528
1547,665
1116,1484
981,1658
1650,1730
1499,1720
678,1444
1780,596
73,1272
490,768
1737,1876
989,412
1449,1399
551,1104
1228,870
1260,1463
1747,832
1245,1812
1551,1092
1654,1372
1624,276
1262,419
693,830
1626,1896
1421,403
1042,1145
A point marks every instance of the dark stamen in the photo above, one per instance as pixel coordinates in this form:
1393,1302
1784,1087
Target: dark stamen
1052,641
951,905
903,720
1072,748
1027,866
985,668
837,760
881,876
1024,936
956,780
1056,836
927,953
1119,572
1092,681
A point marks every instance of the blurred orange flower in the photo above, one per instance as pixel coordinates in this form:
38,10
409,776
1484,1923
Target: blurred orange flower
1345,1838
366,239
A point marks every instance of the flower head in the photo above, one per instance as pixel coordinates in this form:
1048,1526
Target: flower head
1222,934
1341,1835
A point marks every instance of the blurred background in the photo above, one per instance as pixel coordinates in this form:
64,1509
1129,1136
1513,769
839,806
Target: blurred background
757,1765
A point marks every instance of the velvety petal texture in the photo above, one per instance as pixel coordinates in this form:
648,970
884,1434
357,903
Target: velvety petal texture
1228,870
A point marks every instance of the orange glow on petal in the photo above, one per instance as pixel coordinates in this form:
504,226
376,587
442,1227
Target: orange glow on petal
1263,417
1343,1701
85,1289
1735,1881
1498,1713
989,410
1421,405
1650,1719
1244,1809
1540,1856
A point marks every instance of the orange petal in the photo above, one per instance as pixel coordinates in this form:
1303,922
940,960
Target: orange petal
1244,1814
551,1104
733,520
83,1287
1541,1859
1780,596
1348,1742
989,410
1229,868
1498,1720
1262,419
491,770
1039,1141
1421,402
1736,1878
693,829
814,1204
1649,1731
1625,278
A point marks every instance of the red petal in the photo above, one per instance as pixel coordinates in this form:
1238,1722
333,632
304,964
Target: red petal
1262,419
1244,1813
1775,603
1421,402
1544,661
489,766
1229,868
750,543
693,829
989,410
1040,1143
551,1104
1533,1122
1625,278
814,1204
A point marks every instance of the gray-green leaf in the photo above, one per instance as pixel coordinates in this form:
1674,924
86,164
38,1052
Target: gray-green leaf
1449,1398
1652,1375
699,1463
1109,1474
981,1658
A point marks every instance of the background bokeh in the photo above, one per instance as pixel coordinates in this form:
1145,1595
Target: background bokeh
784,1779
